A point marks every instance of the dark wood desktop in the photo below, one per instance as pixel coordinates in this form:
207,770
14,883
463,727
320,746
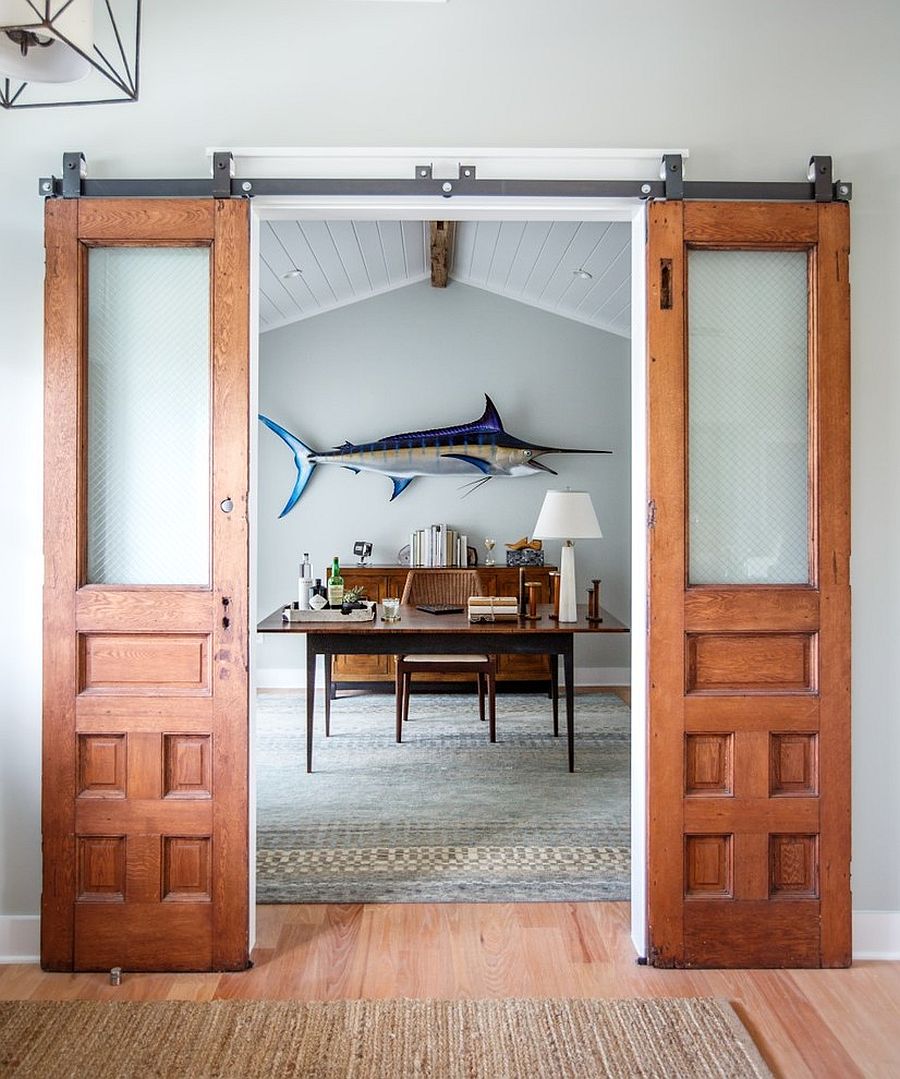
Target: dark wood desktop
452,634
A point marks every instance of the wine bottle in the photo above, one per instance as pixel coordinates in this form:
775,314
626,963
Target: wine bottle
335,586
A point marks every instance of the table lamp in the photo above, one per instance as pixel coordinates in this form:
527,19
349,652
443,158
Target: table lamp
567,515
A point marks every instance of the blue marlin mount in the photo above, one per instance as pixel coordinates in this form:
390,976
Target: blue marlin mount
481,448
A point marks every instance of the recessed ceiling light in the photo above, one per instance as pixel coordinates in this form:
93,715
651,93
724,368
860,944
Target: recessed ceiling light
292,273
584,274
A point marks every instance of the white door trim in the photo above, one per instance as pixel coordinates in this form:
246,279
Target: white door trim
494,208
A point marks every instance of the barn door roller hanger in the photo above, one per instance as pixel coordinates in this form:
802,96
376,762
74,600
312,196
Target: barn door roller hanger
819,186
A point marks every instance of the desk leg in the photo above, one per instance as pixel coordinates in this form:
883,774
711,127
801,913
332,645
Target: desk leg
569,668
554,691
327,659
310,701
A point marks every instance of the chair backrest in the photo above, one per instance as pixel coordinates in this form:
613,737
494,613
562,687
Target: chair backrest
442,586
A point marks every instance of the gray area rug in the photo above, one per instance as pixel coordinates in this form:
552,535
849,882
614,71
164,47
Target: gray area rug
445,816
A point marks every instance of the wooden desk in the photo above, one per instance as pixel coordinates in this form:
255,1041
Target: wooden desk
452,634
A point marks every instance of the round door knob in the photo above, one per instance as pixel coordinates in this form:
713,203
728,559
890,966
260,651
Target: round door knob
226,505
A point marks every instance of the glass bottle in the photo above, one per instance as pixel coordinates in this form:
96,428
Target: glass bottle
335,586
304,582
318,598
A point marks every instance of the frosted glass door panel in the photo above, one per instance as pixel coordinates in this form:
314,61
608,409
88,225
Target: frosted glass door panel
748,408
148,416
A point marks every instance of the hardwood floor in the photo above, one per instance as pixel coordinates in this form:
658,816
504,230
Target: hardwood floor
807,1023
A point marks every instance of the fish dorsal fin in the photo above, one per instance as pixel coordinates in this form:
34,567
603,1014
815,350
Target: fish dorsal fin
488,423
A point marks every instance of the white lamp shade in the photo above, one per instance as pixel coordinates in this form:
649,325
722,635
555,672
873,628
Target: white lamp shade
58,61
567,515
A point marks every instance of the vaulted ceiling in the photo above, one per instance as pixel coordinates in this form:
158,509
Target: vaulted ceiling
579,270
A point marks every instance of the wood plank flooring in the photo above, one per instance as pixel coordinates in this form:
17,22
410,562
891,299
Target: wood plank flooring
807,1023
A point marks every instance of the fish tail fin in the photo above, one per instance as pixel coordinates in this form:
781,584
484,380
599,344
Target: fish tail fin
302,454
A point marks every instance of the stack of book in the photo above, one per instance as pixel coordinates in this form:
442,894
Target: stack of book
439,545
493,608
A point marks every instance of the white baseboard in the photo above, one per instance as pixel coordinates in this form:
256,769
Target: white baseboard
295,677
20,938
876,934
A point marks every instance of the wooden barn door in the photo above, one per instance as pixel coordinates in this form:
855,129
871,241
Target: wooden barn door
749,733
145,594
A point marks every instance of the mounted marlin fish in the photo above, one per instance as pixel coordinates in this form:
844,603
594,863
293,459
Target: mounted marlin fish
480,448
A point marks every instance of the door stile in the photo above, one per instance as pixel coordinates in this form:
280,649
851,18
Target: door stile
230,572
666,552
62,408
833,440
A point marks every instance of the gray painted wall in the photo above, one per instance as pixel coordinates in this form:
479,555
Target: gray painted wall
751,92
422,357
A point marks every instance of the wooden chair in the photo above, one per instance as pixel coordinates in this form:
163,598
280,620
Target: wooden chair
446,586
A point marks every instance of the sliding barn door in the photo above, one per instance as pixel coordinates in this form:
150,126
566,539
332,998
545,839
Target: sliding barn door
145,592
749,810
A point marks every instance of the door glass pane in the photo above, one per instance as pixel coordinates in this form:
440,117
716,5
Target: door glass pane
148,415
747,407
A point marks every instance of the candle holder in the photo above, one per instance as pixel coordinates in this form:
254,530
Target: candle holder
531,601
593,615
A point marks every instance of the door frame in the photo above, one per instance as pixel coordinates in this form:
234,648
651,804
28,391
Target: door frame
493,208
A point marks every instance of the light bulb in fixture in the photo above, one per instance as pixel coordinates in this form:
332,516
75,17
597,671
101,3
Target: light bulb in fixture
584,274
292,273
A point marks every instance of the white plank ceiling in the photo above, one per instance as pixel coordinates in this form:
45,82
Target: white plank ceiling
577,270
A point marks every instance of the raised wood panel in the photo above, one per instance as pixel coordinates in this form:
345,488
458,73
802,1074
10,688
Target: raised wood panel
142,663
360,668
101,609
765,607
737,662
793,866
101,766
187,766
186,869
708,764
738,224
101,868
708,868
793,763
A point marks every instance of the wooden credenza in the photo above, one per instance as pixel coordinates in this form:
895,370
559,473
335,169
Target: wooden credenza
368,672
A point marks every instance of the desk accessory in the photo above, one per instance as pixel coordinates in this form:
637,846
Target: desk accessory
567,515
363,550
439,608
493,609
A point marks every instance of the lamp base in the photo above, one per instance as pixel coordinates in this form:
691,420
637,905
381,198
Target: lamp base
568,607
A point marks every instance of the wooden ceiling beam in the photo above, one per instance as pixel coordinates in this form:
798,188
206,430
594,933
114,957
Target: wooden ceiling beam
443,237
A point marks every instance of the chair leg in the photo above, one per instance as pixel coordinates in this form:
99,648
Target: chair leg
407,684
480,678
492,704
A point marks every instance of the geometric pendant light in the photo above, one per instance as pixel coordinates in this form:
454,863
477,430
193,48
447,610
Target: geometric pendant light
68,52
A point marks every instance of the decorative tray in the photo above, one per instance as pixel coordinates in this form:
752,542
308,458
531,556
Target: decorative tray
291,614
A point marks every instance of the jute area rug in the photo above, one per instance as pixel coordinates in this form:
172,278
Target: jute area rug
501,1039
445,816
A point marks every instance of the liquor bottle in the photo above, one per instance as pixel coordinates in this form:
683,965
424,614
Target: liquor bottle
335,586
318,598
304,582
